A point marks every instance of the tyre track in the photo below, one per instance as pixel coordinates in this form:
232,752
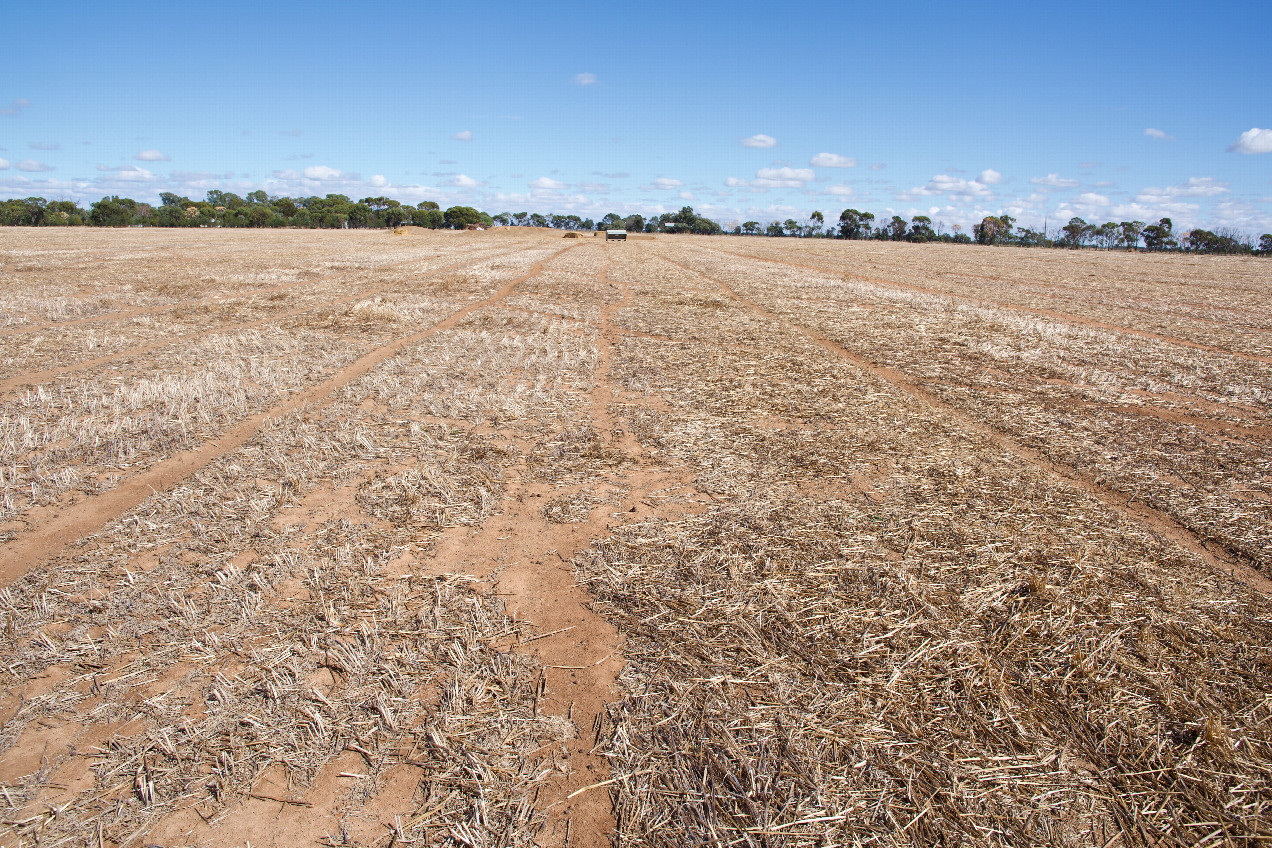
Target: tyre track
34,377
59,528
156,310
1065,317
1158,521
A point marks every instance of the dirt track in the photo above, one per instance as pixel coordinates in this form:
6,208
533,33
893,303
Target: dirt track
337,538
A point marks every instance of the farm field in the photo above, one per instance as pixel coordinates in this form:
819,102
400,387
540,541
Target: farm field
498,539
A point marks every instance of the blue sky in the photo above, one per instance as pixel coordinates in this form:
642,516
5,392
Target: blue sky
742,110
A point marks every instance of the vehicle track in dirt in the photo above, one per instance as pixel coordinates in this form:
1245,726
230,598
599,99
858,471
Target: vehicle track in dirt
1162,523
55,528
225,298
1055,315
33,377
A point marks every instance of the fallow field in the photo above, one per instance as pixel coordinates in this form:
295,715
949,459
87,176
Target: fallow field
500,539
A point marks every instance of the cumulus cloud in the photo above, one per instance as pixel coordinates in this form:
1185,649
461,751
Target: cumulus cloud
15,107
685,195
1089,198
838,190
377,181
759,140
832,160
1253,140
133,174
1158,134
4,164
288,174
1193,187
989,177
546,184
945,184
152,156
784,177
32,165
1054,181
664,184
585,79
463,135
734,182
462,181
323,173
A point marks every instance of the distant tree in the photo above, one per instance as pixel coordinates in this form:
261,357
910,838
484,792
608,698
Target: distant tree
258,196
1265,244
854,224
751,228
774,229
537,220
895,229
792,227
459,217
430,218
1131,232
113,212
503,219
171,200
1158,236
633,223
816,222
921,229
1106,235
993,229
360,215
611,221
1076,233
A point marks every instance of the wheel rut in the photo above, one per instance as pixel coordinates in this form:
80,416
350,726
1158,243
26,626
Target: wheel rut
1158,521
57,528
1065,317
34,377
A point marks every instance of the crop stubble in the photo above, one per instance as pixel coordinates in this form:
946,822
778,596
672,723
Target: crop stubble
820,599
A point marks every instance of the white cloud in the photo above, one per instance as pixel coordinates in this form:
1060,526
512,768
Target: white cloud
832,160
1089,198
783,177
324,173
377,181
838,190
133,174
32,165
1158,134
4,164
1253,140
463,135
152,156
665,184
1054,181
989,177
760,140
462,181
1193,187
734,182
289,174
945,184
684,195
585,79
15,107
546,183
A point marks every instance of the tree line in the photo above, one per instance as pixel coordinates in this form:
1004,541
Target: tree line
337,211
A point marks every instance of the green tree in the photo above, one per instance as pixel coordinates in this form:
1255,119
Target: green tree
1076,233
113,212
854,224
1158,236
1131,232
816,222
459,217
751,228
1265,244
921,229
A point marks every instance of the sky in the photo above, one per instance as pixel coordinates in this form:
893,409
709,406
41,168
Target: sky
745,111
